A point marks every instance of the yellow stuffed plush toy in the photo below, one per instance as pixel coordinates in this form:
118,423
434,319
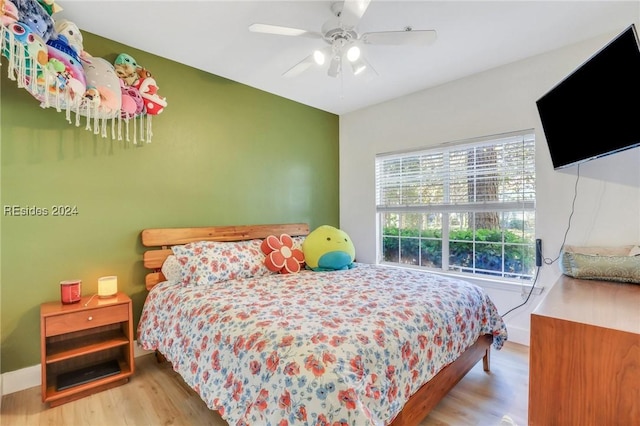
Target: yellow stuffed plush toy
328,249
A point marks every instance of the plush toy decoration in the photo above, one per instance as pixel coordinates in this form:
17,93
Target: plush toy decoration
50,6
328,249
72,34
103,86
73,75
23,35
281,256
46,57
126,68
8,12
132,102
38,50
33,15
153,103
33,50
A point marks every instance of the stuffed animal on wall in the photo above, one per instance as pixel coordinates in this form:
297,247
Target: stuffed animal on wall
22,34
103,86
8,12
72,34
127,71
50,6
126,68
38,50
328,248
33,15
73,76
154,104
33,48
132,102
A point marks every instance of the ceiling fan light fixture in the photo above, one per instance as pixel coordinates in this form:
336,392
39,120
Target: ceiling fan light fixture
344,40
335,66
318,57
358,66
358,69
353,54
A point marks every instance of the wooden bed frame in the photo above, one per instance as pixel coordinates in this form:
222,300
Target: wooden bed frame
416,408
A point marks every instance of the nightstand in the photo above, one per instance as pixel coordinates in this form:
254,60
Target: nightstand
85,347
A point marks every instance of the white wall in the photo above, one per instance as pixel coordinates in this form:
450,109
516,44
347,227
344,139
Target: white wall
607,208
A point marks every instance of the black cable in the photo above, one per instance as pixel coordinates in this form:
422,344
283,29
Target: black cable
548,261
533,285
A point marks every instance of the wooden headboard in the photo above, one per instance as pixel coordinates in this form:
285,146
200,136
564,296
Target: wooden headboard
163,238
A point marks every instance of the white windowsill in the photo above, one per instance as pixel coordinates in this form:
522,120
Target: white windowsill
495,283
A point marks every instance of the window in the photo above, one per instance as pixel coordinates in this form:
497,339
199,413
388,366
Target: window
466,207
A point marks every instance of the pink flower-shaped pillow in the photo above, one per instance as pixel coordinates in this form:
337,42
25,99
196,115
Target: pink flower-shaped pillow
281,256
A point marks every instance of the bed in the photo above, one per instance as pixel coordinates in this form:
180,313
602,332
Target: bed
372,345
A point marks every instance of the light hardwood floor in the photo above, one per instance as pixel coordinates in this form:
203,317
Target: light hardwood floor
156,395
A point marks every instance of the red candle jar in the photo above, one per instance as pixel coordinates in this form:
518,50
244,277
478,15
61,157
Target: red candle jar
70,291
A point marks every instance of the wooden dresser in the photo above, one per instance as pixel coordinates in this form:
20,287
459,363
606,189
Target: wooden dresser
584,364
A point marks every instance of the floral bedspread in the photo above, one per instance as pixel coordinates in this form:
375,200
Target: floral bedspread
316,348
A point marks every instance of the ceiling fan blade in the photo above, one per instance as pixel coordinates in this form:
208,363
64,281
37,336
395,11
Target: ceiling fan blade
352,12
280,30
396,38
299,68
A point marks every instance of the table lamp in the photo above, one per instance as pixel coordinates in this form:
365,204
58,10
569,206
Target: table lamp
107,286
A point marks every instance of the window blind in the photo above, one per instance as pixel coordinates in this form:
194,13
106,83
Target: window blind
497,174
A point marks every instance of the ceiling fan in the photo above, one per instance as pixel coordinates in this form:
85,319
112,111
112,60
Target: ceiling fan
343,39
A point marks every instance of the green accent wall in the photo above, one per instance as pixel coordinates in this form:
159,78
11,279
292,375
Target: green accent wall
222,153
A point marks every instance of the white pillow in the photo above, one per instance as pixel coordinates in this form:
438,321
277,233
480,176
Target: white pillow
297,241
171,269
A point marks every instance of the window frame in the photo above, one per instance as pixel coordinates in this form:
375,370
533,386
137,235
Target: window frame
520,203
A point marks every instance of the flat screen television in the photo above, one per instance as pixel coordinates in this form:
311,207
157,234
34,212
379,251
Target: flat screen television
595,111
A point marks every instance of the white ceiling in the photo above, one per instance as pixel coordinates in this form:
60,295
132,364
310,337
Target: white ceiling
473,36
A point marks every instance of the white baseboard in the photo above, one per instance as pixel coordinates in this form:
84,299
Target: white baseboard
518,335
29,377
25,378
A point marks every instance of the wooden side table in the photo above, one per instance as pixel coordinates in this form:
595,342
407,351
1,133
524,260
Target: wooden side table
85,347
